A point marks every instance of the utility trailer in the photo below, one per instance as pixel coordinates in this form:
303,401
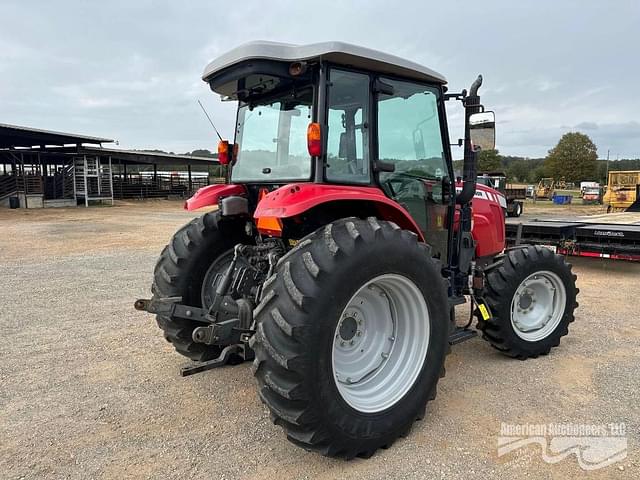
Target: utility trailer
584,237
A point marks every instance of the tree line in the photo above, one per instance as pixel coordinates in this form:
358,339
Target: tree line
573,159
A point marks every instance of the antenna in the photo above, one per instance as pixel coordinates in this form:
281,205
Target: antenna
209,118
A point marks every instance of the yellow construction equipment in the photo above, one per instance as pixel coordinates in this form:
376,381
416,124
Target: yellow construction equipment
546,187
622,190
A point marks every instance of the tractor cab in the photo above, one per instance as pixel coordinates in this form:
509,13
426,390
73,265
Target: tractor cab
340,94
338,114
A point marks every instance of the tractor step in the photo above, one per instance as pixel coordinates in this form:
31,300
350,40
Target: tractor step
461,335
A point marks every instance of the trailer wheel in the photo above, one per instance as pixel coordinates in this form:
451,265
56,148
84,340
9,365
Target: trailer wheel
532,296
351,337
185,263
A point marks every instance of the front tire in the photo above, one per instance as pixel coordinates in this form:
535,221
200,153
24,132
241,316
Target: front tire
532,296
333,366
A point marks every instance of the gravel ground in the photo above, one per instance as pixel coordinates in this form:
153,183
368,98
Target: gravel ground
89,388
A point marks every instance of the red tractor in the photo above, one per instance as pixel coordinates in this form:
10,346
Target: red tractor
342,243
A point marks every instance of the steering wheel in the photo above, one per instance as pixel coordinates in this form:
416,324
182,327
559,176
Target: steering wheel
405,190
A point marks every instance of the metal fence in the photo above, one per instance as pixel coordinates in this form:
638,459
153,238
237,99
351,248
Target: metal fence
161,185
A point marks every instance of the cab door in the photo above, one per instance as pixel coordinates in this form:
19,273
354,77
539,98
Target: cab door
409,136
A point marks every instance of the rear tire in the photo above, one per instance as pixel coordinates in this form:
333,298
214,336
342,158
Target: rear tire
532,295
180,272
517,210
303,317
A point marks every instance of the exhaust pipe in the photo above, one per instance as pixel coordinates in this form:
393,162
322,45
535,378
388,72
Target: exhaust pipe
470,166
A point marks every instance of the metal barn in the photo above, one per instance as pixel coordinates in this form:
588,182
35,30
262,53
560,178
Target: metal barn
43,168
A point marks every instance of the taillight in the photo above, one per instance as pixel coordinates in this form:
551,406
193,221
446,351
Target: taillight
224,152
314,140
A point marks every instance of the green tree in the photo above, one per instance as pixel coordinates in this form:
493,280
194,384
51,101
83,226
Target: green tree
518,170
202,152
536,174
489,161
574,158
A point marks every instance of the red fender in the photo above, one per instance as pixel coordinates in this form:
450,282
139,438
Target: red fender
209,195
296,198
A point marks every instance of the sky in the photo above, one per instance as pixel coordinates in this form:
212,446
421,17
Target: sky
130,70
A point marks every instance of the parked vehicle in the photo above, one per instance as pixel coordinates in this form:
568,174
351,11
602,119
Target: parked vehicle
547,187
623,188
515,195
341,245
592,194
531,191
586,185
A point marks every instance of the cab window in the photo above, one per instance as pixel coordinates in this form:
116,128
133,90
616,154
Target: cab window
409,134
348,133
409,137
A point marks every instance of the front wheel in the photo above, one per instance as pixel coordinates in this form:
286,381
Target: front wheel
351,337
532,295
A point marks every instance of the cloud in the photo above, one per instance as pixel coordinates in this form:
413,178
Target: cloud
545,85
620,138
131,70
587,126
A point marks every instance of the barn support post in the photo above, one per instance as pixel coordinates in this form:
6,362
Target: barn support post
111,179
86,184
190,182
99,172
24,179
73,176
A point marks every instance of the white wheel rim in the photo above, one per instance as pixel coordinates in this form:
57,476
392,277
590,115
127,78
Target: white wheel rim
538,306
380,343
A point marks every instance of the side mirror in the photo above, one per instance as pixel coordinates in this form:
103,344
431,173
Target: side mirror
482,130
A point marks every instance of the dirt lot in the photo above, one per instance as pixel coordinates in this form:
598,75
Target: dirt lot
89,388
546,208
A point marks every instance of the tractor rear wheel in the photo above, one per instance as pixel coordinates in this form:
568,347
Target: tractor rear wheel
351,337
186,268
532,295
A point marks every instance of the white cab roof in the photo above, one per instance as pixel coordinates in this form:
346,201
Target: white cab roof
336,52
